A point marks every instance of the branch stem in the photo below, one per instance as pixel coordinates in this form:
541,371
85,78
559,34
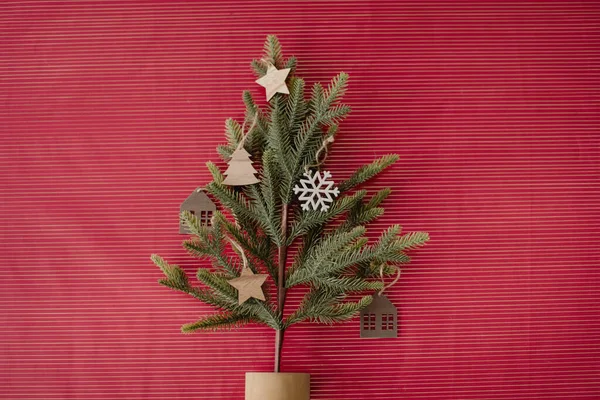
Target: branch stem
281,259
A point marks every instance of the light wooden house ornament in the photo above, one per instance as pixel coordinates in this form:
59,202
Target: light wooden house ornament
240,171
201,206
379,319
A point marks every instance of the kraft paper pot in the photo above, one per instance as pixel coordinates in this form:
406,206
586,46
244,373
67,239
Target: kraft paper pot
277,386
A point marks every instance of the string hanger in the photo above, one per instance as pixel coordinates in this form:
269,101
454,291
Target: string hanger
385,287
328,140
235,244
268,62
241,251
245,134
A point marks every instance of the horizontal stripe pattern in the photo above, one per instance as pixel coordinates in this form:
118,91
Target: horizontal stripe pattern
109,111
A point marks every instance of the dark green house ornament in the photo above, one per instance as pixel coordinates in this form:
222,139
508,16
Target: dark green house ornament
379,319
199,205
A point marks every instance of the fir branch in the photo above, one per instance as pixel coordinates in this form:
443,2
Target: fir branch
270,184
388,236
176,277
254,139
291,63
340,312
267,220
194,226
241,208
315,299
309,239
321,307
271,202
296,105
367,172
412,240
317,99
215,172
279,140
327,258
273,52
335,115
177,280
379,197
337,88
233,132
309,137
210,242
198,249
366,270
251,107
217,282
225,151
215,322
257,245
254,309
259,68
347,284
362,214
308,220
321,256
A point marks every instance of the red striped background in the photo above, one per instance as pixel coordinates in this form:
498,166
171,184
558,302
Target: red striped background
109,110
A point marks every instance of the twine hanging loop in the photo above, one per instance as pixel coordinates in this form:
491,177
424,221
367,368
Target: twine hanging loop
245,134
235,244
328,140
385,287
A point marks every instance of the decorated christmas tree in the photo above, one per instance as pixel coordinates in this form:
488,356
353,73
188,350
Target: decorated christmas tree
291,204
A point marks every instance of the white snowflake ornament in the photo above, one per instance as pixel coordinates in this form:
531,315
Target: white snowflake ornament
316,191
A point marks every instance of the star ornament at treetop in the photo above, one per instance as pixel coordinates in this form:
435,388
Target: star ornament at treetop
249,285
316,191
274,81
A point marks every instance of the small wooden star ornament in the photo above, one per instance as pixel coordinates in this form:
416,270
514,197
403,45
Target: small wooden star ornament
274,81
249,285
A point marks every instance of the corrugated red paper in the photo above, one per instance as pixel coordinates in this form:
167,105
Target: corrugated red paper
109,111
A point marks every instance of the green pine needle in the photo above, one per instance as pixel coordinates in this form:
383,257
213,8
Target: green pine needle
222,321
367,172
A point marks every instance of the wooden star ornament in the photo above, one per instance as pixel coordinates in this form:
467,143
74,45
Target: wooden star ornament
274,81
249,285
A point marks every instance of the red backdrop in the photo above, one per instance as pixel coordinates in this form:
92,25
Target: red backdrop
109,111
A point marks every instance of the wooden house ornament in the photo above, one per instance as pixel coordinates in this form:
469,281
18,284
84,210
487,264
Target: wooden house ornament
379,319
201,206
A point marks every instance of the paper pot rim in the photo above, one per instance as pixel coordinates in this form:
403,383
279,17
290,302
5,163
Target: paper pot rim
277,373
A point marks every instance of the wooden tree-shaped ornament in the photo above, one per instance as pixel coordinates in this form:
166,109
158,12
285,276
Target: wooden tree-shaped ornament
240,171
